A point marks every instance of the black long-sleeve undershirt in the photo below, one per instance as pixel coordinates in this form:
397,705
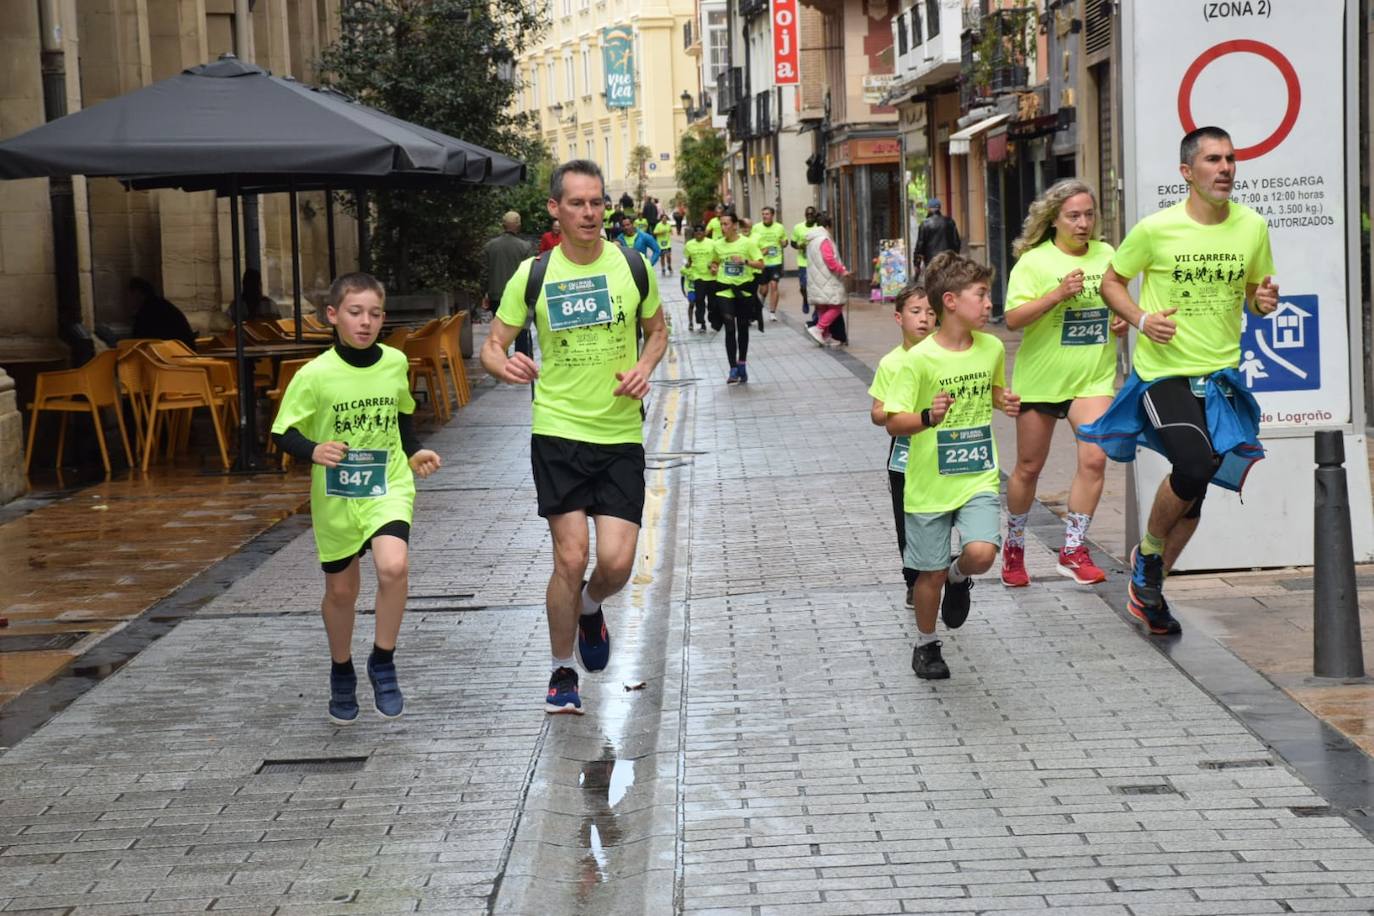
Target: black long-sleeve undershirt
296,444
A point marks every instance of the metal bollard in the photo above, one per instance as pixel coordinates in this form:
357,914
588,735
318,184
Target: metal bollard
1337,650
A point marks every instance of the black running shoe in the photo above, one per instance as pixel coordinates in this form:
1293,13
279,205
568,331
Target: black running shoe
911,596
954,605
1145,594
927,662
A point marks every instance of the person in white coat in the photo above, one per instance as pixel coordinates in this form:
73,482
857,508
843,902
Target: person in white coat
825,275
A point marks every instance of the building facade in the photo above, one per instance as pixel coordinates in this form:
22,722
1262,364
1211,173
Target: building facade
997,101
565,79
177,241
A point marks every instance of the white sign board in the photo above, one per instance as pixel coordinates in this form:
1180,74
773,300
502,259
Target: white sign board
1275,74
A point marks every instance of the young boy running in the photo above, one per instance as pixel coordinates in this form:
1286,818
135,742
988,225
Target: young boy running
943,398
916,319
348,411
663,234
696,273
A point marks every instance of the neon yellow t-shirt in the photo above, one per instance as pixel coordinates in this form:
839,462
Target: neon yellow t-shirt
886,372
330,401
799,238
663,232
771,240
588,336
1068,352
642,224
699,257
732,275
713,230
1202,271
950,464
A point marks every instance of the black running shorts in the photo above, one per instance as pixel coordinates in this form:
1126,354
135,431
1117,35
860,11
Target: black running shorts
396,529
571,476
1059,409
770,275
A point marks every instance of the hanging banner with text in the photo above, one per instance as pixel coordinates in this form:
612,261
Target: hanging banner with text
618,57
1271,74
786,36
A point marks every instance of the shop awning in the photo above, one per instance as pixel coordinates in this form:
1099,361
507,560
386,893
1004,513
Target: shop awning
959,142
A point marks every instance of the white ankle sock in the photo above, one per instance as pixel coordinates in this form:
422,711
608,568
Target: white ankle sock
557,663
955,575
588,605
925,639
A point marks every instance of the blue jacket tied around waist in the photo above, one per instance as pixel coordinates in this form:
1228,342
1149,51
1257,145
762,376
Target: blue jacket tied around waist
1232,422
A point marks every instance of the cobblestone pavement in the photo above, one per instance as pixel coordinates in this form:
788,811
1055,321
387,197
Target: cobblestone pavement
759,744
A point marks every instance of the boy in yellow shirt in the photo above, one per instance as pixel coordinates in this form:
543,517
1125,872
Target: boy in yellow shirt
916,319
943,398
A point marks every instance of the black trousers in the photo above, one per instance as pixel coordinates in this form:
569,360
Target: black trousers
896,482
737,314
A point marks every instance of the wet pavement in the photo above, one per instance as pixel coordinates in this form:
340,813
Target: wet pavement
758,745
79,565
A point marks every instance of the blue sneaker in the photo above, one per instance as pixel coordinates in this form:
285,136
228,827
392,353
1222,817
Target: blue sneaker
733,377
1145,594
564,697
593,641
386,690
743,372
343,697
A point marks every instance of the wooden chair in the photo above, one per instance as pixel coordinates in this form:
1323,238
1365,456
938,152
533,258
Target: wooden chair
177,388
427,362
452,350
83,390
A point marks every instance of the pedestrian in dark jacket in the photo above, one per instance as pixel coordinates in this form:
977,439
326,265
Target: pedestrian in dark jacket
937,233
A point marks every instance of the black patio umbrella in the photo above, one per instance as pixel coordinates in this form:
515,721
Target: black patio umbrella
231,126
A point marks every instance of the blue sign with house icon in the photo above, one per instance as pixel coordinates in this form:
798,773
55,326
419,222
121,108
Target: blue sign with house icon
1281,351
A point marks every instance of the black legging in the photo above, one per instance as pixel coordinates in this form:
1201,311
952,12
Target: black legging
738,314
1180,420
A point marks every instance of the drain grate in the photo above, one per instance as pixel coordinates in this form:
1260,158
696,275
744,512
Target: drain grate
1153,788
42,642
1235,764
312,765
433,608
1310,810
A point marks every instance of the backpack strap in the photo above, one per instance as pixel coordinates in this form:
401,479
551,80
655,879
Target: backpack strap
639,271
533,283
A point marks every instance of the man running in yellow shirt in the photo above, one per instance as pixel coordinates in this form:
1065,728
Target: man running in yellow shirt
1203,260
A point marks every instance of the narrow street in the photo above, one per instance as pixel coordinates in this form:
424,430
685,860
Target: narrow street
758,744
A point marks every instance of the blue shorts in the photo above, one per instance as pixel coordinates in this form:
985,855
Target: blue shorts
801,275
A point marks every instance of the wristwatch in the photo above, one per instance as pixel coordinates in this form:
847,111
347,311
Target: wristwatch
925,418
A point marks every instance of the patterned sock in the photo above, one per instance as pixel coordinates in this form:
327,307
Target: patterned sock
1151,545
1016,529
1076,529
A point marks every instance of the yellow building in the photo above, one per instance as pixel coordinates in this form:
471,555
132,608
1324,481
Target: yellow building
564,80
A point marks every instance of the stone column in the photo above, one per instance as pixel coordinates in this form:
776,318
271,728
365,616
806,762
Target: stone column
12,481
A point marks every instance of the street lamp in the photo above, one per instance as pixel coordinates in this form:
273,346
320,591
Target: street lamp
686,100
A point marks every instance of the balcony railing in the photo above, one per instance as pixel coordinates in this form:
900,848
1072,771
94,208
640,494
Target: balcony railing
994,56
763,121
